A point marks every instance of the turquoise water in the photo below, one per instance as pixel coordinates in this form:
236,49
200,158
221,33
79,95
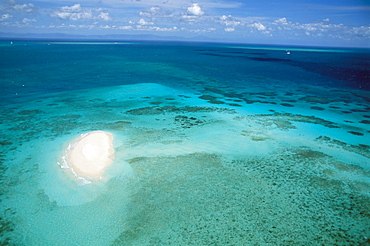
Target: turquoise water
214,144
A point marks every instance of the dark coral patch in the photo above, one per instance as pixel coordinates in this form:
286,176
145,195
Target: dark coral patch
366,116
317,108
334,107
268,94
208,97
187,122
184,96
118,125
266,102
145,111
308,119
356,133
234,105
315,99
172,109
358,110
215,90
29,112
286,104
307,153
155,103
248,101
5,143
216,102
361,149
346,112
365,121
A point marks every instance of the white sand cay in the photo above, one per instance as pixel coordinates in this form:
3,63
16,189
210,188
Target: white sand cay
91,153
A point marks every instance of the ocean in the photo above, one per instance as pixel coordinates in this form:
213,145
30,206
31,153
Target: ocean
215,144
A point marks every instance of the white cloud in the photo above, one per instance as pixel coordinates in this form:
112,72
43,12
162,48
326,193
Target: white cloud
5,17
72,9
362,31
195,9
155,28
229,21
12,7
162,29
75,16
72,26
105,27
199,30
142,22
193,14
76,12
153,12
282,21
322,29
229,29
28,21
104,16
125,27
73,12
259,26
190,18
170,16
29,7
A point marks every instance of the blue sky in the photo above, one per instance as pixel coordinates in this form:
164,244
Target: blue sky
299,22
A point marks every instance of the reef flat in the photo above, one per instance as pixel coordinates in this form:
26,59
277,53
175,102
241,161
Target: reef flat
185,171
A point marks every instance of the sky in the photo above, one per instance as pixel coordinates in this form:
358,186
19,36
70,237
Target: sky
295,22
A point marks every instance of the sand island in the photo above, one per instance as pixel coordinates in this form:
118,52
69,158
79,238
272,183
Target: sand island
91,153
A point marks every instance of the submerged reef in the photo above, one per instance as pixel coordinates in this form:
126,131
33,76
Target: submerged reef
201,174
253,200
315,99
173,109
360,149
282,120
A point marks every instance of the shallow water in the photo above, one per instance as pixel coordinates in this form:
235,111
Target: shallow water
214,144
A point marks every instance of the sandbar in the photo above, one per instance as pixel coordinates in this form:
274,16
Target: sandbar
91,153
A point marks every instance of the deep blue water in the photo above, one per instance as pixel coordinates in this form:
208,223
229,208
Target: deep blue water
215,144
45,67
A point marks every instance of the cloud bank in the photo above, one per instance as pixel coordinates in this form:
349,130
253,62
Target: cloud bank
76,12
178,18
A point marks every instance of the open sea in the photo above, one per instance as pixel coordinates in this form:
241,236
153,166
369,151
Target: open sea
215,144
